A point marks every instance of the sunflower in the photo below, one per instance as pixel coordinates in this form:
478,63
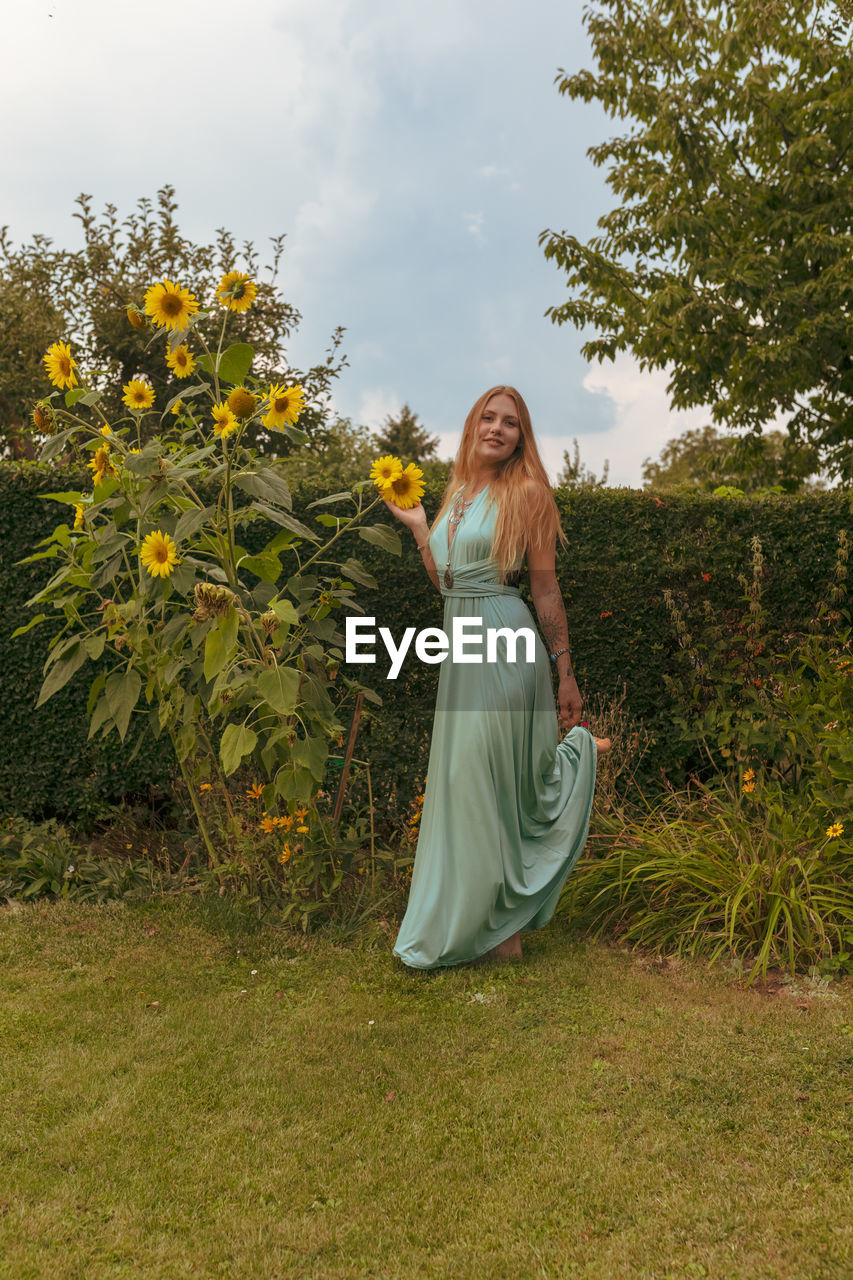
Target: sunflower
169,305
136,317
78,516
177,407
224,421
242,403
181,361
60,365
101,464
836,830
384,470
138,395
159,554
43,416
236,291
407,490
286,404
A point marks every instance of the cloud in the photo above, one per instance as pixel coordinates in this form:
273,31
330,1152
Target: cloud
377,403
643,424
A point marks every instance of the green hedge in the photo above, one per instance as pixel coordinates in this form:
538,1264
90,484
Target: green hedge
624,547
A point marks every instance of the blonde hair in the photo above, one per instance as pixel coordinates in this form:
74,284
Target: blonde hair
527,512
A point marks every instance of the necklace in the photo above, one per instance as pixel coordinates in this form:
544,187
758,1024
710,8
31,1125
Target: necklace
460,507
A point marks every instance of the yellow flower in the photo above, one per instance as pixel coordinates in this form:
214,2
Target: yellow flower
138,394
749,775
136,317
106,431
285,822
267,823
169,305
255,791
205,786
181,361
100,463
407,490
60,365
177,407
301,812
236,291
285,855
159,554
286,404
837,829
302,831
748,786
242,403
78,516
384,470
224,421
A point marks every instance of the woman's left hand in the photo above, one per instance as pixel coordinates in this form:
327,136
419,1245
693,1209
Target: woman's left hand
570,703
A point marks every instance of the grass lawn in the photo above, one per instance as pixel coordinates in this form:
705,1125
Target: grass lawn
185,1096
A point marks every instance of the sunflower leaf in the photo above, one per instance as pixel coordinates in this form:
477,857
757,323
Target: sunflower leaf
236,362
280,688
266,485
288,521
380,535
219,643
61,672
56,443
122,693
72,396
191,521
354,569
237,741
265,565
333,497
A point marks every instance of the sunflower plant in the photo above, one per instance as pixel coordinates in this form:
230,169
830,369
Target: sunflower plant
232,657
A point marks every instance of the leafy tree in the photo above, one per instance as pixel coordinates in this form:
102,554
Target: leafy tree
728,260
576,475
406,438
83,295
706,458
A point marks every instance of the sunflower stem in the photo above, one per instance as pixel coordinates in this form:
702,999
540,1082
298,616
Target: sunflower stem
205,835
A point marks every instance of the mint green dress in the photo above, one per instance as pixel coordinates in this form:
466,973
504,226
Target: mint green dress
507,804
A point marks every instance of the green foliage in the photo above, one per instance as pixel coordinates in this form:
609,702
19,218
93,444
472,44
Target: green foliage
576,475
40,861
771,698
758,866
707,459
83,294
404,437
625,547
241,671
727,260
757,880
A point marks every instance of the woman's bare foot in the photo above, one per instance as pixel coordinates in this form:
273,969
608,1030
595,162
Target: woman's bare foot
510,949
603,745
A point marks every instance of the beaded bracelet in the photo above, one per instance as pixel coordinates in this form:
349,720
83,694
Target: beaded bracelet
555,656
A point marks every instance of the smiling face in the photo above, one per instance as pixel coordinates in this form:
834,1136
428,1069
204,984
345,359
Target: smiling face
498,432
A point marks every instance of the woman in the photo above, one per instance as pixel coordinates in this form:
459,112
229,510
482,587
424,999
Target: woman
506,810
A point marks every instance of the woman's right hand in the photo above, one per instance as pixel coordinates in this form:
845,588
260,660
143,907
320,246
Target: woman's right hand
413,517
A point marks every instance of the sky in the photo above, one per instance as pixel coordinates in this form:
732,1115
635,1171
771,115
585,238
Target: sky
411,152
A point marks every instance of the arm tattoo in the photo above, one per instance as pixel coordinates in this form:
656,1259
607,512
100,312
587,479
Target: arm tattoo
552,619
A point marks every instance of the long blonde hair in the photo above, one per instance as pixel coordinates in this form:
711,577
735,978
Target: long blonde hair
527,514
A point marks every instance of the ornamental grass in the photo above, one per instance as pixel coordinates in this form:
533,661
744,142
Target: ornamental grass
704,875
